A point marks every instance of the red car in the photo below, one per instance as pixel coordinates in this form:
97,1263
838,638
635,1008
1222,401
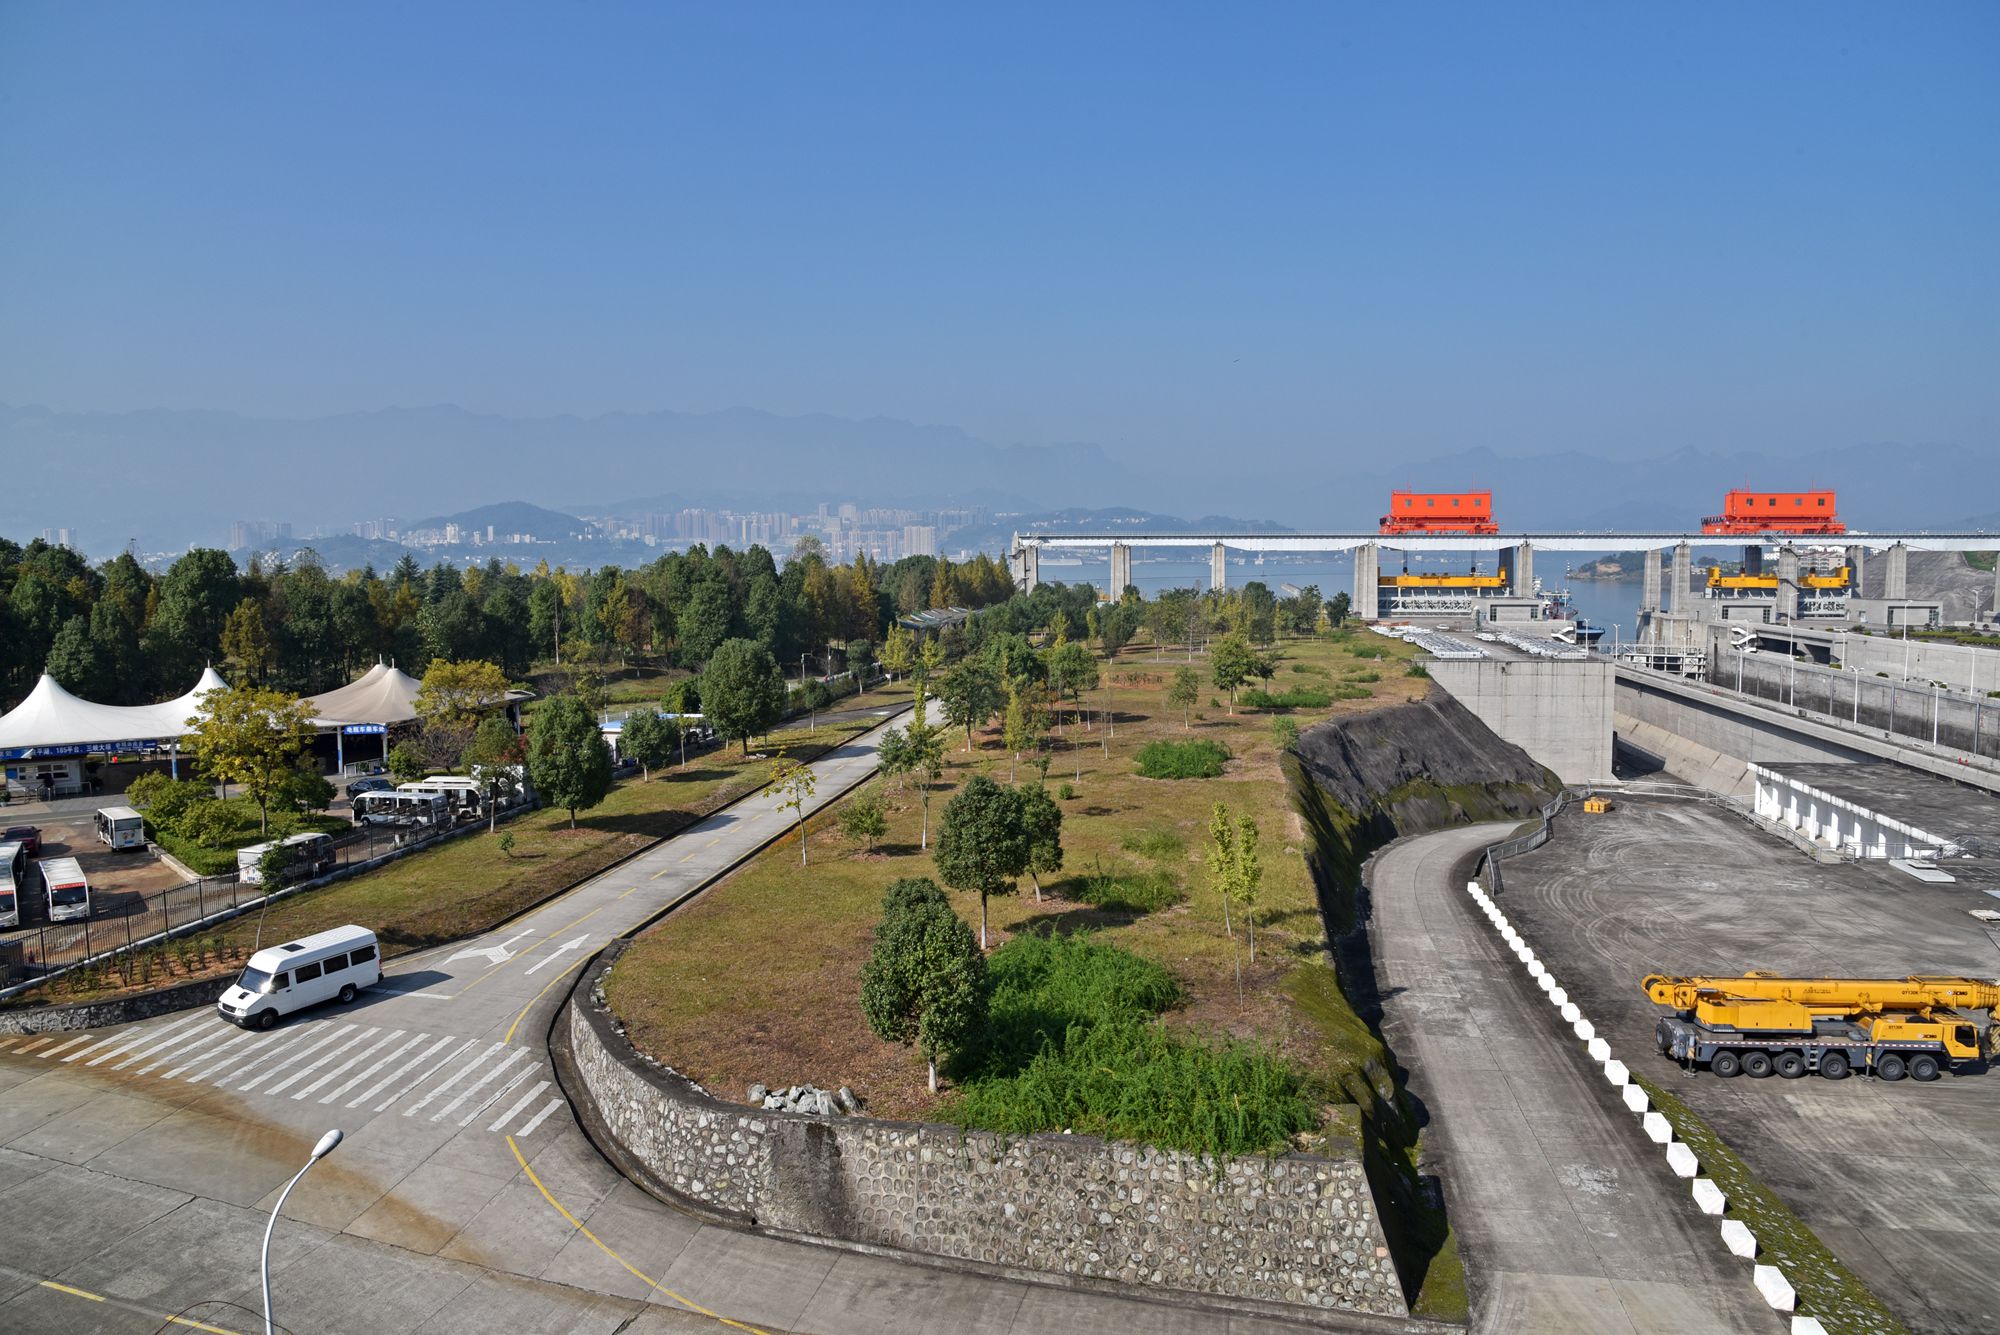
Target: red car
31,835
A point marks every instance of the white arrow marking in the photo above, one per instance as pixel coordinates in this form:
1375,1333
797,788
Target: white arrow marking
498,954
573,944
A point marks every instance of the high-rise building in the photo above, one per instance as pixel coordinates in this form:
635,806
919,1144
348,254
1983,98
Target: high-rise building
60,537
919,540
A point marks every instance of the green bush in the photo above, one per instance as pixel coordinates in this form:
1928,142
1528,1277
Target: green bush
1299,697
1156,842
1349,691
1066,791
1182,760
1362,674
1125,891
1366,651
1285,732
1312,669
1416,670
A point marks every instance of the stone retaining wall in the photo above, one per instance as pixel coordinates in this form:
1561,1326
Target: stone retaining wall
1294,1229
114,1010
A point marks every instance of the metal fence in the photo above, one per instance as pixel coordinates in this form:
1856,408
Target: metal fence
1921,711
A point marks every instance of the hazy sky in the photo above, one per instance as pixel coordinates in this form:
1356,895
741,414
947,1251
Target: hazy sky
1267,229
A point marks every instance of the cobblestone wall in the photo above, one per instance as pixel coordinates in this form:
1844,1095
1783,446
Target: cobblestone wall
1295,1229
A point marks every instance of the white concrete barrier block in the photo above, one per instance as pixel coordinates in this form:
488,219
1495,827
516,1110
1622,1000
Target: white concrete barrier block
1571,1013
1657,1128
1559,997
1635,1099
1807,1325
1617,1073
1708,1197
1600,1051
1777,1290
1681,1159
1546,981
1474,889
1537,969
1584,1030
1523,954
1736,1236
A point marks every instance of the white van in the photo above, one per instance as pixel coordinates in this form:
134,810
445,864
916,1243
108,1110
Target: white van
14,873
460,792
121,827
306,856
69,892
326,966
403,810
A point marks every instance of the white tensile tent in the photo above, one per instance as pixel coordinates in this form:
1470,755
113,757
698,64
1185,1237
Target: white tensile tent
52,723
380,695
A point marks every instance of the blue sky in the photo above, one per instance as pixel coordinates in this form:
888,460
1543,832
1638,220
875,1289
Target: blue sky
1323,227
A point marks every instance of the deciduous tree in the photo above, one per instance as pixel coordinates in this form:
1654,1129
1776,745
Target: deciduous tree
568,759
917,752
1182,692
925,983
982,844
494,760
742,691
649,737
794,784
1041,821
252,738
1231,663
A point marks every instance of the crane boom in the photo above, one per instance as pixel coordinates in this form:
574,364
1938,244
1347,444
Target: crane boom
1859,995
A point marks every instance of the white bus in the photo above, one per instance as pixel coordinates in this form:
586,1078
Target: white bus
14,872
307,856
463,794
327,966
121,827
401,809
69,892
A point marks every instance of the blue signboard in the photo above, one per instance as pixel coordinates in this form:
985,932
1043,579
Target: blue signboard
77,749
364,729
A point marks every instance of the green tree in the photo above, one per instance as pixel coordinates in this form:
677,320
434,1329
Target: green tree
494,759
742,691
1220,864
451,700
568,760
649,737
1071,667
74,660
794,784
863,820
1231,663
1182,692
407,763
982,844
918,752
253,738
304,789
1041,821
860,661
970,693
899,651
1020,727
925,983
705,621
1247,876
1337,608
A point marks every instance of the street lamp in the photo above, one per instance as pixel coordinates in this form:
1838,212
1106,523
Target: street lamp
320,1151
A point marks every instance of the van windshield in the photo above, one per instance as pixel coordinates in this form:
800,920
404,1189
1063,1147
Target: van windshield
254,980
66,895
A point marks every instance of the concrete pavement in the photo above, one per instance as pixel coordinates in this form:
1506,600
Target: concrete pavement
1566,1217
465,1196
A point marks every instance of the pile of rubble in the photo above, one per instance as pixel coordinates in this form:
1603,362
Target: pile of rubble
806,1099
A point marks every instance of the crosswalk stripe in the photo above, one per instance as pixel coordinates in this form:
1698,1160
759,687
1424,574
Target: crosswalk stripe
322,1060
351,1062
226,1056
495,1096
539,1118
359,1076
80,1038
192,1035
199,1041
40,1042
286,1059
99,1042
414,1061
457,1076
477,1085
142,1036
525,1100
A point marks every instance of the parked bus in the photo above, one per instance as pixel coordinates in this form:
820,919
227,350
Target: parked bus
69,892
327,966
121,827
15,868
306,856
462,794
403,810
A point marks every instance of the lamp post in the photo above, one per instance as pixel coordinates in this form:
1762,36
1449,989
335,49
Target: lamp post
320,1151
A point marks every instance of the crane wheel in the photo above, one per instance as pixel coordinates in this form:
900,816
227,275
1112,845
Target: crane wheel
1756,1065
1791,1065
1923,1067
1834,1066
1889,1067
1726,1064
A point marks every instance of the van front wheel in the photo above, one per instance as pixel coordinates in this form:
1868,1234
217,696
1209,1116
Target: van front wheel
267,1019
346,993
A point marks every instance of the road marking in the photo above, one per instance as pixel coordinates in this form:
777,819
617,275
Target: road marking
233,1058
324,1058
476,1086
171,1320
397,1074
74,1293
200,1043
288,1058
539,1118
499,953
525,1100
81,1038
457,1076
654,877
192,1324
358,1077
495,1096
30,1047
597,1242
351,1062
689,857
713,842
198,1037
117,1043
574,943
189,1059
509,1038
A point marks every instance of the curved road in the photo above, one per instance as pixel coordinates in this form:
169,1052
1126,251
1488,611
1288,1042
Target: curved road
1567,1218
138,1165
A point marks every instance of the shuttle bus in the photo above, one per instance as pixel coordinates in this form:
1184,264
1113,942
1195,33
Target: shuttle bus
15,868
307,856
403,810
121,827
69,892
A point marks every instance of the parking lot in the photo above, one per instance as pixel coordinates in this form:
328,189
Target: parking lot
1901,1180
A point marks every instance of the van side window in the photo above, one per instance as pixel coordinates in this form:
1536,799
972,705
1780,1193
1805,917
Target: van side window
335,963
362,956
308,972
281,981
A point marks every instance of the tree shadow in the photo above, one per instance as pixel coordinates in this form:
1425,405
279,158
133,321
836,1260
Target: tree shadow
896,850
1082,918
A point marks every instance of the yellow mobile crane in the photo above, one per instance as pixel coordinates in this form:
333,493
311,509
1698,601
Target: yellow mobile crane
1758,1023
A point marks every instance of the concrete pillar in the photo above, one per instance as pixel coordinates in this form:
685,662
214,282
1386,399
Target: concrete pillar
1896,574
1857,562
1218,567
1367,593
1031,568
1677,592
1996,591
1524,570
1121,569
1753,559
1788,584
1649,590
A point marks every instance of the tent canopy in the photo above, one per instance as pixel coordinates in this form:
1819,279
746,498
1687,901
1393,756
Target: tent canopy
380,695
52,717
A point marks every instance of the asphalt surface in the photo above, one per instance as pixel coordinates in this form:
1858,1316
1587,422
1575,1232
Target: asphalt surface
1568,1219
1901,1180
138,1165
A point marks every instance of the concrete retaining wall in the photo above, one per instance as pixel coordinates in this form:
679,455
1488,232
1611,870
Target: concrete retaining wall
1293,1229
1558,712
116,1010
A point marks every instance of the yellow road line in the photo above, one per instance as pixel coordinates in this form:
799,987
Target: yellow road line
192,1324
74,1293
170,1319
688,857
713,842
538,996
598,1242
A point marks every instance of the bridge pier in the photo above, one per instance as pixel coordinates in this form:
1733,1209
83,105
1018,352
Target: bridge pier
1524,570
1218,567
1121,570
1896,574
1649,587
1367,592
1678,592
1753,558
1030,574
1788,584
1857,563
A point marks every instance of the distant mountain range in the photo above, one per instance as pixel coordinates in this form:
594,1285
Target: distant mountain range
168,479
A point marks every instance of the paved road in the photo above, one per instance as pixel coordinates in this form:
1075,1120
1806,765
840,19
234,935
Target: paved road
465,1198
1564,1214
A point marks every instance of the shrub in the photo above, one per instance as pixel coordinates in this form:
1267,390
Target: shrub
864,821
1416,670
1299,697
1157,842
1366,651
1349,691
1121,891
1313,669
1182,760
1066,791
1362,674
1285,732
166,801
